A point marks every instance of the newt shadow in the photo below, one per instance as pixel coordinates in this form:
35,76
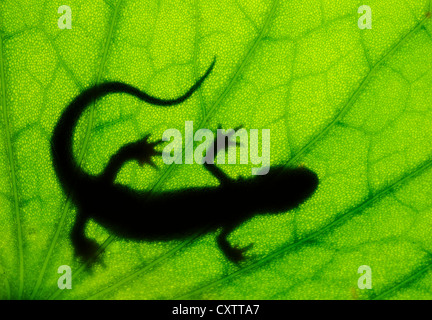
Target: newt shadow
167,215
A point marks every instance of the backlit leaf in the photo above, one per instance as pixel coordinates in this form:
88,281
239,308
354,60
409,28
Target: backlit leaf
353,105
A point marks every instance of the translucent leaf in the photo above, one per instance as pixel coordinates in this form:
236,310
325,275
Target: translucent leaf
353,105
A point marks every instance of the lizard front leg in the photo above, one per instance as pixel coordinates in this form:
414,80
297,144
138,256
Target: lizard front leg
141,151
211,155
234,254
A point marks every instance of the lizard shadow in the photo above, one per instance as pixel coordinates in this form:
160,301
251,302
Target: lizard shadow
166,215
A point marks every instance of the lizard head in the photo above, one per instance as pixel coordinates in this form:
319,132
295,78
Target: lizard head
283,189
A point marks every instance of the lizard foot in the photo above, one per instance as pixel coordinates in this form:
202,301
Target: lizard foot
227,136
236,254
222,137
87,252
145,150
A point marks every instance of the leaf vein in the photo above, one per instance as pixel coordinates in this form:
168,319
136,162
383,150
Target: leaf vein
12,172
354,96
81,154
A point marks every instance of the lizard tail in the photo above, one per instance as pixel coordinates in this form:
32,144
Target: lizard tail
67,170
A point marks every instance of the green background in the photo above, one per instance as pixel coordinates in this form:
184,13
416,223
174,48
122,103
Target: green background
353,105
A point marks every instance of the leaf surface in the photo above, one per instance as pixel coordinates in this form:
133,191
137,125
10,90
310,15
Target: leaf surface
353,105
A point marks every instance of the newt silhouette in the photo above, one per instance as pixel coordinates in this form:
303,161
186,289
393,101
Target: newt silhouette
166,215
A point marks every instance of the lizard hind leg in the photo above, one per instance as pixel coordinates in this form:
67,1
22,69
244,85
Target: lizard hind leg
84,248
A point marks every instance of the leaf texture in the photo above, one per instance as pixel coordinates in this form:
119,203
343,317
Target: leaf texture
353,105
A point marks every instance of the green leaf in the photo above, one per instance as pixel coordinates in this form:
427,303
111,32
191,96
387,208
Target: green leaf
353,105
